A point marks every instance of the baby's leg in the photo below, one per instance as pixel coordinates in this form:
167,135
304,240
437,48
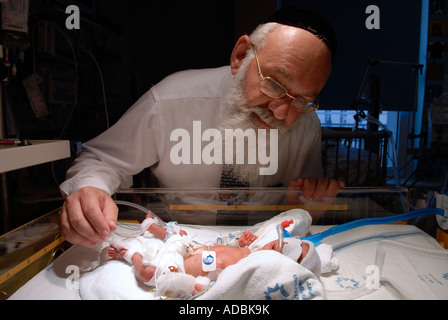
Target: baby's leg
155,229
150,225
143,272
158,231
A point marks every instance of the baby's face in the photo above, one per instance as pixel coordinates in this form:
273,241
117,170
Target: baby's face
305,249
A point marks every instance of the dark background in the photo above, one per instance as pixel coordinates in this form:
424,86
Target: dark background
137,43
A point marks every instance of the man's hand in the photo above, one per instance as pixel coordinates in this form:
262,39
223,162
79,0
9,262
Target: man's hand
314,188
87,217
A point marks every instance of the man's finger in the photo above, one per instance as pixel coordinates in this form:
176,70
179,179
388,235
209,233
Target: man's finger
309,186
70,234
110,212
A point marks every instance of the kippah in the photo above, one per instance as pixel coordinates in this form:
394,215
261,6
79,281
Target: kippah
312,260
307,20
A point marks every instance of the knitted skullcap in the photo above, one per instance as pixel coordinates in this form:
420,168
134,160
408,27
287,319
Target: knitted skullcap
312,260
307,20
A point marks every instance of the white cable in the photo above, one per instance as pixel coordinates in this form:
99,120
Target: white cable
141,208
75,101
102,85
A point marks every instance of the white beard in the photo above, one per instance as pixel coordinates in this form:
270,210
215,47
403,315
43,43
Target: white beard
236,115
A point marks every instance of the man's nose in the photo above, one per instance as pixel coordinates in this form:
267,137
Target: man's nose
280,108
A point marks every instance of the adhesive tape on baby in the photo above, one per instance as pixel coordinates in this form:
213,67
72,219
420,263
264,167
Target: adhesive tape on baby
208,261
292,248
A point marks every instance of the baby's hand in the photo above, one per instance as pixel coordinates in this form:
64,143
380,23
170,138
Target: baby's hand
246,238
273,245
197,288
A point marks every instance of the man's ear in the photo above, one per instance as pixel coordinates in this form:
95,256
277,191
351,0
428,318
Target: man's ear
239,53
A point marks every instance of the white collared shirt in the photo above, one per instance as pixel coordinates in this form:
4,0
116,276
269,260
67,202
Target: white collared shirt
141,139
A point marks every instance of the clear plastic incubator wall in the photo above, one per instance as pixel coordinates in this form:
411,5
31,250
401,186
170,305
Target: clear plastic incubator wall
372,243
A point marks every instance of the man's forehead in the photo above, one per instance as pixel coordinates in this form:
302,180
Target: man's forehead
290,45
283,72
295,63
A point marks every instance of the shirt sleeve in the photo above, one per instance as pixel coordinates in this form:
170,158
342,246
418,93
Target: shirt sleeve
110,160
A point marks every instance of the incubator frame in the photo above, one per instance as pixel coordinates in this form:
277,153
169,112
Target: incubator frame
28,249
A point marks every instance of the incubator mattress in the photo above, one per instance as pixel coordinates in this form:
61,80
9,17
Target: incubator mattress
375,262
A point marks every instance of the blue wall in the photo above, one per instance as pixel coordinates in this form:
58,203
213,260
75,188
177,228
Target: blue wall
398,40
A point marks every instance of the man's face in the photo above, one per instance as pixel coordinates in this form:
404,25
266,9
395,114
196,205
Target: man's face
293,57
298,61
239,115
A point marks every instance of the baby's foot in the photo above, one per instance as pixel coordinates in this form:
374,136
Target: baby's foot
116,253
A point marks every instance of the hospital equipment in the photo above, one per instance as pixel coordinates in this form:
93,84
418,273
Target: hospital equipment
359,158
317,238
280,237
391,248
143,209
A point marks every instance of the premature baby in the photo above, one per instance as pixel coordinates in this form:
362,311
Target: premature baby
168,259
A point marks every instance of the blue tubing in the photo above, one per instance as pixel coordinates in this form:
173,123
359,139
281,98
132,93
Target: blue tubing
316,238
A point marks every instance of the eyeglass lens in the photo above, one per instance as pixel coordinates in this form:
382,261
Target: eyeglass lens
274,90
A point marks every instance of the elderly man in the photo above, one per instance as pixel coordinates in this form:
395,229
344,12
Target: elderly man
272,84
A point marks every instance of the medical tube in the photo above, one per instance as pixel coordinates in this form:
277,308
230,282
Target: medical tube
139,207
316,238
280,237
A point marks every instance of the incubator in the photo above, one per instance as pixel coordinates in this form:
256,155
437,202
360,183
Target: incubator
28,266
27,250
246,207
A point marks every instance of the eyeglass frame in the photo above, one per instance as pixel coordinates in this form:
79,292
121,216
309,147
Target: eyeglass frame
309,107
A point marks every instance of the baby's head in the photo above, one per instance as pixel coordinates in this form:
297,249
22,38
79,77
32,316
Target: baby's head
310,258
304,253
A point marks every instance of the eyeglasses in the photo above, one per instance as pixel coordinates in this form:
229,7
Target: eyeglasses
274,90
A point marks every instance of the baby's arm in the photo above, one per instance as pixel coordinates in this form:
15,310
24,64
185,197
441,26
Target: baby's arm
273,245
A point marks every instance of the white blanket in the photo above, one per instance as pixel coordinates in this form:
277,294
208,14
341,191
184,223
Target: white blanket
114,280
266,275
